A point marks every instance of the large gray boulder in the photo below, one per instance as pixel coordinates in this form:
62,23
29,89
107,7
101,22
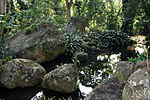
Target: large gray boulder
21,73
62,79
40,44
138,86
111,88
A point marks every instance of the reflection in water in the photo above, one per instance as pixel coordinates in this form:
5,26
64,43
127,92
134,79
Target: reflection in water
38,96
52,95
84,90
91,74
18,93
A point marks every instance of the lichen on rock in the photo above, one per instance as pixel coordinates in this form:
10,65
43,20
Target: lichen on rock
62,79
137,87
21,73
42,45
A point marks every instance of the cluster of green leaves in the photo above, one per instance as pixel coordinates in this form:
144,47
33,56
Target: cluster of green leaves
31,29
37,11
100,14
114,39
84,41
59,20
135,17
5,25
141,57
74,43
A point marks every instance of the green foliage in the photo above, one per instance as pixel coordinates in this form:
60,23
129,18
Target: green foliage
74,43
135,17
31,29
85,41
5,25
114,39
141,57
37,11
60,20
28,30
101,15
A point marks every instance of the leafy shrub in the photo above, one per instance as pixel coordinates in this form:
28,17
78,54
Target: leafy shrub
114,39
5,26
28,31
60,20
31,29
85,42
141,57
74,43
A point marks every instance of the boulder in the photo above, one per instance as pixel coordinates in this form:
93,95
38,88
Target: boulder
81,56
62,79
41,45
76,25
111,88
138,86
21,73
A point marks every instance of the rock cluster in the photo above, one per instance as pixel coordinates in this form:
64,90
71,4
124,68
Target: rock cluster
41,45
111,89
130,82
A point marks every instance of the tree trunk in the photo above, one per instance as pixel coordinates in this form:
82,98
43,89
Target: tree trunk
2,6
69,4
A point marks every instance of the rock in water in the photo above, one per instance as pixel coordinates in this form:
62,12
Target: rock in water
111,88
81,56
62,79
44,44
21,73
138,86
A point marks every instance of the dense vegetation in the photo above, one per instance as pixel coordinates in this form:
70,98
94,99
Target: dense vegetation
88,25
113,20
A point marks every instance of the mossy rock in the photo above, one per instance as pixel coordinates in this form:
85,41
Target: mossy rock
63,79
21,73
44,44
111,88
137,87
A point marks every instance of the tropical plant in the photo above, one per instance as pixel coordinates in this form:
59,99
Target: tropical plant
74,43
114,39
5,26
